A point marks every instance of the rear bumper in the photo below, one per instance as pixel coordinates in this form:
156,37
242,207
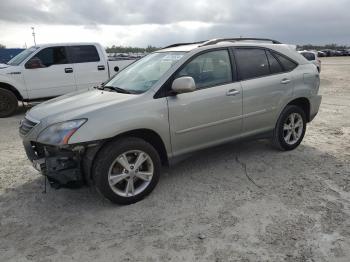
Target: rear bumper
315,103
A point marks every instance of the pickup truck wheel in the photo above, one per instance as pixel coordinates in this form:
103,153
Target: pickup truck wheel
8,103
126,170
290,128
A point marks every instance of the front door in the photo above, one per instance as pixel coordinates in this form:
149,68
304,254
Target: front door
49,73
212,113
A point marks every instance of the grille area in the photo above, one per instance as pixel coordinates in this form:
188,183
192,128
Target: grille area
38,149
26,126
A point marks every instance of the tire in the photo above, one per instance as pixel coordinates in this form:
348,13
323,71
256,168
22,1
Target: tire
134,180
8,103
284,127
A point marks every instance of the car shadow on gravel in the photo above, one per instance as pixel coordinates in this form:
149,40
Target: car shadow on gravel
248,158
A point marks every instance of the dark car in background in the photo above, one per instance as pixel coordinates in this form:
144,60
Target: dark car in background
343,52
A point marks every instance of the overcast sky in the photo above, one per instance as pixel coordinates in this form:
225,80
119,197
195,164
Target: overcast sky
162,22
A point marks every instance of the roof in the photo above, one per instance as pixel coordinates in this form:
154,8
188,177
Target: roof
183,48
289,50
308,51
186,47
67,44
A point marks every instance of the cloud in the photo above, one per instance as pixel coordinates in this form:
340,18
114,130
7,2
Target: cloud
298,21
132,12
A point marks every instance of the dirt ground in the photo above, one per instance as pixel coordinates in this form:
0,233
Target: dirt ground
238,202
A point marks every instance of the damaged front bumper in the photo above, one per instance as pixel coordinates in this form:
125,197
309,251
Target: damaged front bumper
64,166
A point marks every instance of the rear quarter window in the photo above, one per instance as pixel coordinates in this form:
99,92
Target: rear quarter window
287,64
275,66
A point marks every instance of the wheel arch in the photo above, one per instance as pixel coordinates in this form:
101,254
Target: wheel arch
304,104
151,137
148,135
12,89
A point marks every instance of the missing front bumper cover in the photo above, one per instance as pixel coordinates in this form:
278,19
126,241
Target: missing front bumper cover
64,166
61,167
63,171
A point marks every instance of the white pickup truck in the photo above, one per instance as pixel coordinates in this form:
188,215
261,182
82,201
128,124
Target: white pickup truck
49,70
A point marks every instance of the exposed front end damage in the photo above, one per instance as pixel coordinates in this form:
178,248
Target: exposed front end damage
64,166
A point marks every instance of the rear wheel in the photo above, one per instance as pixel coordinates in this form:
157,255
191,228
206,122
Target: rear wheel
8,103
126,170
290,128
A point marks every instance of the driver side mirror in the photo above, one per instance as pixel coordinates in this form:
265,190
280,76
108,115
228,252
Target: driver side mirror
34,63
184,84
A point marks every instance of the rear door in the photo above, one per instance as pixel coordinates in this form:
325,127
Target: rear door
49,73
212,113
266,86
90,68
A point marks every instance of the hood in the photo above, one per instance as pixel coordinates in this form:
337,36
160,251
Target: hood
76,105
3,66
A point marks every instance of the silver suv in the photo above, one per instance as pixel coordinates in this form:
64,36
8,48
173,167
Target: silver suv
177,100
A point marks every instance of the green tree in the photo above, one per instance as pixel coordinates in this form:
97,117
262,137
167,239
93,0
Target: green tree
130,49
2,46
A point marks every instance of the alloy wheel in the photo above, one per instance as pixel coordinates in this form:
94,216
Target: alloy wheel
130,173
293,128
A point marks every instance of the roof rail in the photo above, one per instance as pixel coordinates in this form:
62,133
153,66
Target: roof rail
178,44
217,40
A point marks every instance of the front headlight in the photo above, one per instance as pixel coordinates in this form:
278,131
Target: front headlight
59,133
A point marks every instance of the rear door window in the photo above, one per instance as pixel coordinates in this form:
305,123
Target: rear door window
252,62
84,54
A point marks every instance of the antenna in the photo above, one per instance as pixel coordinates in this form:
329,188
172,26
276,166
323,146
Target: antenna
33,34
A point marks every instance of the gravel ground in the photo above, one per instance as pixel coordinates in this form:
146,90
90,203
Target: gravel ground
238,202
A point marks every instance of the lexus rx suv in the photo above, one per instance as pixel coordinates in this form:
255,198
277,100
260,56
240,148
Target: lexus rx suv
170,103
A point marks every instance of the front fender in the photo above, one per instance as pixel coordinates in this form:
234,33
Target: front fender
14,82
151,114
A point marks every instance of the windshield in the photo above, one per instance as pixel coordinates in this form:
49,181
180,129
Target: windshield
143,74
21,56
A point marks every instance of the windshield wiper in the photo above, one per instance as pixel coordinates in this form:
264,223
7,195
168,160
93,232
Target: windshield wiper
118,89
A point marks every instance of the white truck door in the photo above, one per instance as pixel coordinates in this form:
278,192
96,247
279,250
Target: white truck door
90,68
48,73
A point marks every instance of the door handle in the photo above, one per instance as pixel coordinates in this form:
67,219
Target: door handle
285,81
101,67
68,70
232,92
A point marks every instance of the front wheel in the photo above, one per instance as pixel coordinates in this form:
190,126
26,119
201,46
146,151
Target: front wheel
126,170
290,128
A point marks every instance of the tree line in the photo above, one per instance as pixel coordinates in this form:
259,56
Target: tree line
149,49
130,49
322,47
